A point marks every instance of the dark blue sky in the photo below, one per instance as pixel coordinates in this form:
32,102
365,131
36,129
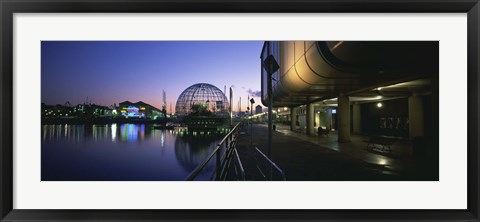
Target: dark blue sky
109,72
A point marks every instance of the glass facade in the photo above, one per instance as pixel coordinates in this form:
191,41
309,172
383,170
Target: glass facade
202,97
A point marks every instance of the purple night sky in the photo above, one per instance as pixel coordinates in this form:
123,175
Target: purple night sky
109,72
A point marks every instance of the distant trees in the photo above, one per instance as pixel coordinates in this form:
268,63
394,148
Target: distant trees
200,109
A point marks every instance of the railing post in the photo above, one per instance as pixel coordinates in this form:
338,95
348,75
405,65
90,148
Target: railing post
227,141
218,164
227,148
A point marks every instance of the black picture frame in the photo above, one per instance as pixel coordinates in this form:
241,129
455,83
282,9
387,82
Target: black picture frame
9,7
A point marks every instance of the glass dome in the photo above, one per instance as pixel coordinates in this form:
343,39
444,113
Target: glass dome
202,97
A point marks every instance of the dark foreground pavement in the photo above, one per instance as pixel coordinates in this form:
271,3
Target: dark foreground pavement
305,161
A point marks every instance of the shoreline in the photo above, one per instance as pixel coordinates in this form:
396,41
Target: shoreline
77,121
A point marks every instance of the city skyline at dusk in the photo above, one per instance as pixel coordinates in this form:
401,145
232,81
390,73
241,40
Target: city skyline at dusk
343,111
109,72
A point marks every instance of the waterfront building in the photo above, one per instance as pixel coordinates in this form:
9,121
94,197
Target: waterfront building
67,111
202,107
202,99
92,110
56,111
367,93
139,109
363,88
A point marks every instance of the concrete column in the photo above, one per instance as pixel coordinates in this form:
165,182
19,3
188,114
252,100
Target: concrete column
293,117
415,116
309,119
357,119
317,118
343,119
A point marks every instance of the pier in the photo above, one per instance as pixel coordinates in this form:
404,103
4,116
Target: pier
319,158
303,157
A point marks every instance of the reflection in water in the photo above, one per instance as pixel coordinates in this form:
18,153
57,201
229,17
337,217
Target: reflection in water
133,132
80,133
192,149
130,132
163,138
125,152
113,130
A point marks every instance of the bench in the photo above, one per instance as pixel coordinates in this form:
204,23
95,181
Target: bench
384,142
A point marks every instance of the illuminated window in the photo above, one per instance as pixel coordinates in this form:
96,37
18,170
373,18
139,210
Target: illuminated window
131,111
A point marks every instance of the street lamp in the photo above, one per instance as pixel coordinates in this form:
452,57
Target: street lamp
252,101
270,65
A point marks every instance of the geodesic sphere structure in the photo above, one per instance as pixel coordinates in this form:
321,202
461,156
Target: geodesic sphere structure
204,97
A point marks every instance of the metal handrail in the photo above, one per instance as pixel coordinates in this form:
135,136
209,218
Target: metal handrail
216,152
274,165
239,165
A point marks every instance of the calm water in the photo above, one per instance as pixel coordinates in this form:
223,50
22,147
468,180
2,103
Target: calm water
125,152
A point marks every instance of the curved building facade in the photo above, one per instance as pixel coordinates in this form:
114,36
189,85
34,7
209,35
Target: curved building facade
306,71
387,88
202,98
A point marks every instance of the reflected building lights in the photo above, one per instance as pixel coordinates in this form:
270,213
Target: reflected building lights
58,132
105,131
66,130
129,132
162,139
94,129
114,132
44,132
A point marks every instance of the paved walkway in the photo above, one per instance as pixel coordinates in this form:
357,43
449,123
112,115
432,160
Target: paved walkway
320,158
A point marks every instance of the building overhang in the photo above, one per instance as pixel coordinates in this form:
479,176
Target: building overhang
316,71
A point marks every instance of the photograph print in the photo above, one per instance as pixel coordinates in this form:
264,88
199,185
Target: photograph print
239,111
